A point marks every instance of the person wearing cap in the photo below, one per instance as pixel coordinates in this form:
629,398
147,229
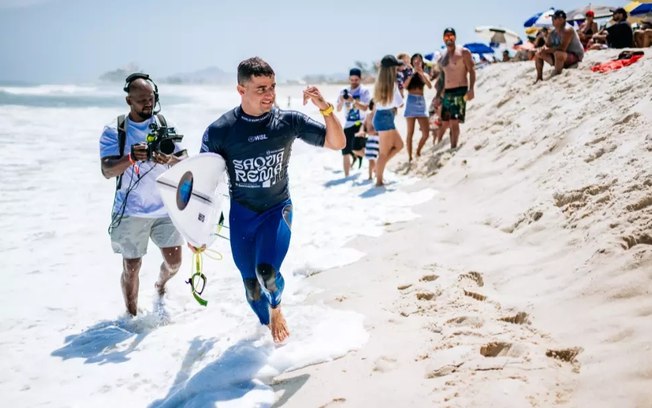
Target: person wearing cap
617,35
587,28
458,71
387,99
563,48
355,101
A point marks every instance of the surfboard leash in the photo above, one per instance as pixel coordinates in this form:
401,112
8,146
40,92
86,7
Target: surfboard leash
197,279
219,226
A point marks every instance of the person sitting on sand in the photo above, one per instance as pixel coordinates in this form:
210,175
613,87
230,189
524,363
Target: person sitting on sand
618,35
563,48
587,29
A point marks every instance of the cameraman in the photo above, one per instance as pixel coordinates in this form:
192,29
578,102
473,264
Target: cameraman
355,100
138,211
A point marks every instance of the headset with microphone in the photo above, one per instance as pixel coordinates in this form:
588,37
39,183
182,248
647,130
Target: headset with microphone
138,75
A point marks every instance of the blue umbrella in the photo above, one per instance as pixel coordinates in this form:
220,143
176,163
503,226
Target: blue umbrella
479,48
537,17
643,8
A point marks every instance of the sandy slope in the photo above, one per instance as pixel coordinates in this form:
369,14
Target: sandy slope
526,282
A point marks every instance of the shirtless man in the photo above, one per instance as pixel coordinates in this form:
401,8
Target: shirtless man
459,79
255,140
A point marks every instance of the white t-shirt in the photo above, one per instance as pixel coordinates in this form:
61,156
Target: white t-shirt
397,100
353,115
144,199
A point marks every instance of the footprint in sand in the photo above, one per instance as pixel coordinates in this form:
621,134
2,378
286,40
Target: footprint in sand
640,204
631,241
518,318
501,349
470,321
474,276
429,278
475,296
568,355
425,295
443,371
385,364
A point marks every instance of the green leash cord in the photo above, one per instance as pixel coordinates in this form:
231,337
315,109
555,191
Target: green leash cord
197,279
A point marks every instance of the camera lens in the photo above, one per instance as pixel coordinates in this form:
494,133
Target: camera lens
166,146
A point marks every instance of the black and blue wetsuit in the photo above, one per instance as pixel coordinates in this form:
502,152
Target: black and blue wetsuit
257,151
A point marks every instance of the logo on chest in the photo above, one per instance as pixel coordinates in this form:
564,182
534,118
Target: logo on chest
257,138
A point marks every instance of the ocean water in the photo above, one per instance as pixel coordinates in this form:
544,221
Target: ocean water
64,338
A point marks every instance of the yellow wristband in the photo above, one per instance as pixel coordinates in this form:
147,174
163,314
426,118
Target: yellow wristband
328,111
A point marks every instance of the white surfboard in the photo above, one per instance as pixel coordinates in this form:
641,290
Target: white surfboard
189,192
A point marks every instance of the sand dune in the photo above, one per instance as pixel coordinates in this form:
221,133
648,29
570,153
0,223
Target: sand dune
527,280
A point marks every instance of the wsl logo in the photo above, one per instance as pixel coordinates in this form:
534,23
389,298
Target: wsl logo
257,138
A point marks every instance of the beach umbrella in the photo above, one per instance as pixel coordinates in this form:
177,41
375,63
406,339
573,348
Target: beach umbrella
639,8
543,19
580,13
432,57
479,48
497,35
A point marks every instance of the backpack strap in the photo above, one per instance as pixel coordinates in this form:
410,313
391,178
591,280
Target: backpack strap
122,140
161,120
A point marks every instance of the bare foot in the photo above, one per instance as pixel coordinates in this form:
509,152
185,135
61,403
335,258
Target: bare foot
278,326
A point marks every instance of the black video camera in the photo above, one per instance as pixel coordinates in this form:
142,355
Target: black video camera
161,139
345,94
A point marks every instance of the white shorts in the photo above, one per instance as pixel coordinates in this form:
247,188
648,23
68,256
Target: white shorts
131,236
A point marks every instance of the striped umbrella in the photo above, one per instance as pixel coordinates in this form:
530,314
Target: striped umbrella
639,10
580,13
497,35
543,19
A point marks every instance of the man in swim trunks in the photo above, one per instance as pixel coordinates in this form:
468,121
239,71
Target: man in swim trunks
458,79
563,47
255,140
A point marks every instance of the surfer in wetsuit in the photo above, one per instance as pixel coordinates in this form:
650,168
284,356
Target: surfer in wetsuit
255,140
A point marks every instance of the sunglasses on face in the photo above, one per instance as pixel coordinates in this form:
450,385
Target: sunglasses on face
449,36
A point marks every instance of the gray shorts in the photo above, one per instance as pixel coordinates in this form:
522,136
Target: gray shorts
130,238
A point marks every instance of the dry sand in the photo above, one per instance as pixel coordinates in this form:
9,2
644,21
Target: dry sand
526,281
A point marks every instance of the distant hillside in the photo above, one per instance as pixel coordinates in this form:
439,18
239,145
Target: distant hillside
210,75
119,75
217,76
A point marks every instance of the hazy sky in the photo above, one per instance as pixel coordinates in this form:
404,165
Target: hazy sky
77,40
